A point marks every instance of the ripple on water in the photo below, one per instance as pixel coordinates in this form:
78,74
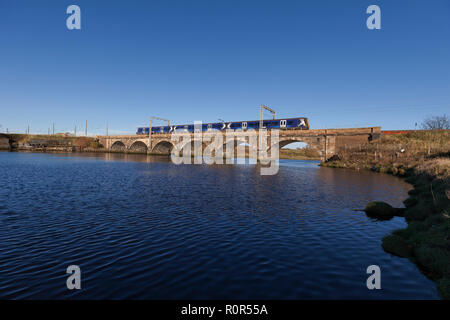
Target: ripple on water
151,229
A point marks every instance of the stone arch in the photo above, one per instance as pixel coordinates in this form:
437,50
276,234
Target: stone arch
204,145
118,146
138,147
163,147
237,142
314,143
287,142
249,148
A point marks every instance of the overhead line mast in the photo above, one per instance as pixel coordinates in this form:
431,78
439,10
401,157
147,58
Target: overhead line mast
261,114
150,130
261,126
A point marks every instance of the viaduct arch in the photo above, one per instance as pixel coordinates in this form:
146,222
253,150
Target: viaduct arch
327,141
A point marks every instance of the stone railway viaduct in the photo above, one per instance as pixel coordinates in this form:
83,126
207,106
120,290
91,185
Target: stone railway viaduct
327,141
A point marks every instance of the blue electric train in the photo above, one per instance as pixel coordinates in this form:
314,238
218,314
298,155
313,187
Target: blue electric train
283,124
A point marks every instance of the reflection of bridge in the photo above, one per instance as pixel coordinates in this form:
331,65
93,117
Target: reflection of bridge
327,141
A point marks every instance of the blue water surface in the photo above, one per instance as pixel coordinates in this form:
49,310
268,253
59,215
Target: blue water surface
141,227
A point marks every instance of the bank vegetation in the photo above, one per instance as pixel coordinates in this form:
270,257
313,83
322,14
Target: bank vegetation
423,159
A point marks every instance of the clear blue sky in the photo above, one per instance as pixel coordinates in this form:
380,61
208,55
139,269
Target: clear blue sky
203,60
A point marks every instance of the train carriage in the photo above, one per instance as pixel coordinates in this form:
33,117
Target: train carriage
282,124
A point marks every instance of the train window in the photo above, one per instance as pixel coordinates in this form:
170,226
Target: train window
209,126
283,123
244,125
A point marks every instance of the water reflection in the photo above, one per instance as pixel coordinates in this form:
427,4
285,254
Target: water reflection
127,157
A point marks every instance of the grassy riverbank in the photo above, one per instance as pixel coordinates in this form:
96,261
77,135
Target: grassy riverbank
306,153
47,143
423,158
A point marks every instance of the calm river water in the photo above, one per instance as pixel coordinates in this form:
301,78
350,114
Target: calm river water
142,227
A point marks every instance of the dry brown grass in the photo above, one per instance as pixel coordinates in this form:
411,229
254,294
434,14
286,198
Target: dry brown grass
307,153
79,142
438,167
398,153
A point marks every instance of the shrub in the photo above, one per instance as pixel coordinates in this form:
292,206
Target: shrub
444,288
95,145
379,209
396,245
433,259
